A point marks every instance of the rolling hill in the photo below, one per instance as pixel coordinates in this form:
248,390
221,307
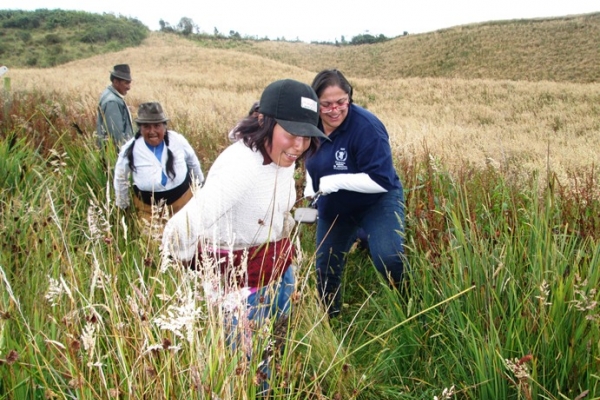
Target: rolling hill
563,49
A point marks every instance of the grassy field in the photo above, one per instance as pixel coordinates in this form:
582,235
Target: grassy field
503,226
561,49
459,122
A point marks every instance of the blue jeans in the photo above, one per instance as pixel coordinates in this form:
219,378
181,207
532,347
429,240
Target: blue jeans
383,222
272,300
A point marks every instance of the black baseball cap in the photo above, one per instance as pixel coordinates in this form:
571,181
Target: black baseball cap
294,105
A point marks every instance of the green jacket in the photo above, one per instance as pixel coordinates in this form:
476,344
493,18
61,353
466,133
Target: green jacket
114,118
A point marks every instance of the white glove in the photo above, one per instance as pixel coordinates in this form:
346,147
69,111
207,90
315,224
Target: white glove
329,184
308,189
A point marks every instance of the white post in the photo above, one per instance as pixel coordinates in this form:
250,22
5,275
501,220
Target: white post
6,108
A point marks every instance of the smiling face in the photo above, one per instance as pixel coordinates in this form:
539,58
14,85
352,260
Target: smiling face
334,108
286,148
153,134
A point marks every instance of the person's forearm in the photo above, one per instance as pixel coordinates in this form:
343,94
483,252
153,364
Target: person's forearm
361,183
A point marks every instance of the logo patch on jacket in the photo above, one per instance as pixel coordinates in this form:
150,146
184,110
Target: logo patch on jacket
340,159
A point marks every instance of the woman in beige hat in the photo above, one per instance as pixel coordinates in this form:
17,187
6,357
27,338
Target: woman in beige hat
161,163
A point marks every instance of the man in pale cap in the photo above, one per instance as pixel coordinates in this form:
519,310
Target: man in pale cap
114,118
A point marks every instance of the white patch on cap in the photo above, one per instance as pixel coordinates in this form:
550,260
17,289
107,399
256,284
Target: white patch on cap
309,104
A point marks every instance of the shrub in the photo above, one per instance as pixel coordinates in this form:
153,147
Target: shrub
25,36
52,38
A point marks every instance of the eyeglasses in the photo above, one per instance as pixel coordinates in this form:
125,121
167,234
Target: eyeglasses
339,105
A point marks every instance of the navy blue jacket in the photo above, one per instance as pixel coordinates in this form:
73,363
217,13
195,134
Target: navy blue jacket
360,144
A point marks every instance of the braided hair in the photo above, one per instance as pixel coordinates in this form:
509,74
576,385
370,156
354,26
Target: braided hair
170,169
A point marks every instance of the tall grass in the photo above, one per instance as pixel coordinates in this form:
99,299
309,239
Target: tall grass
533,297
502,240
88,311
502,299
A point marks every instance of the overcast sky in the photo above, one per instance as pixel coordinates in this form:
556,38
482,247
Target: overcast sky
319,20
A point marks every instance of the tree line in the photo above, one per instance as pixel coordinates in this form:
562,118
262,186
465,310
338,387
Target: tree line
99,28
45,38
187,27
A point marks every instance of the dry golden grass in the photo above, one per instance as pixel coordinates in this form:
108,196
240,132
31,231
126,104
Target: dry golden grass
513,125
555,49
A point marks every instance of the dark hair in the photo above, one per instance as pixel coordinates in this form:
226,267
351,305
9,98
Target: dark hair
331,77
170,169
254,108
258,135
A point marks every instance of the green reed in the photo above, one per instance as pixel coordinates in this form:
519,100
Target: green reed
83,289
530,325
501,300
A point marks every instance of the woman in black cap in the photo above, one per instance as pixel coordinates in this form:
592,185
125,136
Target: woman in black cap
239,223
